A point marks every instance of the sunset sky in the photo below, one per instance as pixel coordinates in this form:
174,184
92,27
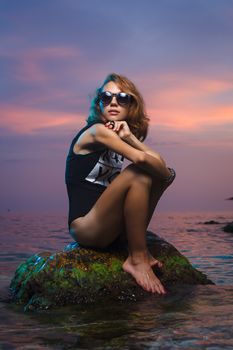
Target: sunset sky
55,53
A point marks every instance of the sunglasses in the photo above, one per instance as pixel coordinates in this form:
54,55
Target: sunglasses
123,99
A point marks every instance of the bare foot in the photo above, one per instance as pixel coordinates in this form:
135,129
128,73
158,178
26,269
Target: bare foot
154,262
144,276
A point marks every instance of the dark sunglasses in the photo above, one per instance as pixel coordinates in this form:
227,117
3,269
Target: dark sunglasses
122,98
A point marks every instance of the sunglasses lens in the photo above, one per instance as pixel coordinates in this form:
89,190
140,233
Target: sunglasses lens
123,98
105,98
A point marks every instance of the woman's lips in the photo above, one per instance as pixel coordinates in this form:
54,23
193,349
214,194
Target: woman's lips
113,112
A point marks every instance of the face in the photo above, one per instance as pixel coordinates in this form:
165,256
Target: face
113,111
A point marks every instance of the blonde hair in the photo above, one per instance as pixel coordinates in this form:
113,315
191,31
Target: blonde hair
137,119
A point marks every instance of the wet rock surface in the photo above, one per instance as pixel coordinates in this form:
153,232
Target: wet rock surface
228,227
78,275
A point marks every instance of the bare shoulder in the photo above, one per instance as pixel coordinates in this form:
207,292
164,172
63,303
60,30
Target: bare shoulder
96,128
100,133
97,136
86,142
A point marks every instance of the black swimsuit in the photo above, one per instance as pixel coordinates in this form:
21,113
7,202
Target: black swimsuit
88,175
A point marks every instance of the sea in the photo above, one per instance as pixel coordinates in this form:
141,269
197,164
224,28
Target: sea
188,317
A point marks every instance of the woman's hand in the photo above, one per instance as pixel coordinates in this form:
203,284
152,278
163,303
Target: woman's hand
121,128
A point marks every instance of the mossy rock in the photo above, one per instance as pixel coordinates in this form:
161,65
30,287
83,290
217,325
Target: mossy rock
79,275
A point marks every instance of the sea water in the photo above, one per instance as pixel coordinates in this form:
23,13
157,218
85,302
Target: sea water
191,317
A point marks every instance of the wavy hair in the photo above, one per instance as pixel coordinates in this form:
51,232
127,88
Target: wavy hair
137,119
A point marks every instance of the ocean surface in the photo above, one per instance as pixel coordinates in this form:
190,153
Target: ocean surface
192,317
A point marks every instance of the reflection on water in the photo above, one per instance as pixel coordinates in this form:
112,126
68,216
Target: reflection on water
188,318
193,317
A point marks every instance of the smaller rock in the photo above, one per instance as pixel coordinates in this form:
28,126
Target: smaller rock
211,222
228,227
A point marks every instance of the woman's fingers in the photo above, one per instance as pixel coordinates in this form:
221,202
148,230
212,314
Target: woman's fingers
111,124
120,127
115,126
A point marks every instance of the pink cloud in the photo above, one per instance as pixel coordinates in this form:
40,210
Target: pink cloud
186,102
32,68
31,62
176,101
191,118
28,120
49,95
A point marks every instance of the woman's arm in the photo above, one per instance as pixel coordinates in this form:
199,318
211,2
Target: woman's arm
134,142
140,155
123,130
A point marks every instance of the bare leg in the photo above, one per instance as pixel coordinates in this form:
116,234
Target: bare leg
157,189
139,262
125,202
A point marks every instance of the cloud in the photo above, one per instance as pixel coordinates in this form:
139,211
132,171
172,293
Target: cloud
193,119
180,102
186,101
29,120
34,64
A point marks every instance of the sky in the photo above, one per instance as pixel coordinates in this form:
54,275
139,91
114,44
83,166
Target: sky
55,53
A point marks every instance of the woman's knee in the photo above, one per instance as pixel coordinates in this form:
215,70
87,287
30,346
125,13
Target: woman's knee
90,234
139,176
78,230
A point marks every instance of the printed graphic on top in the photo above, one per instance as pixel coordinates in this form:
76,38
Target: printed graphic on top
106,169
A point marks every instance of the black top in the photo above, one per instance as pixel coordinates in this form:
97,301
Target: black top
88,175
99,167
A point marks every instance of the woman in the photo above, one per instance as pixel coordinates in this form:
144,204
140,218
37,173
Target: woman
105,201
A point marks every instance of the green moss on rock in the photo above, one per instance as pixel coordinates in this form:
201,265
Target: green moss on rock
80,275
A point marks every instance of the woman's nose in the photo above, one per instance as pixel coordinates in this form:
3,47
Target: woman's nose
114,101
